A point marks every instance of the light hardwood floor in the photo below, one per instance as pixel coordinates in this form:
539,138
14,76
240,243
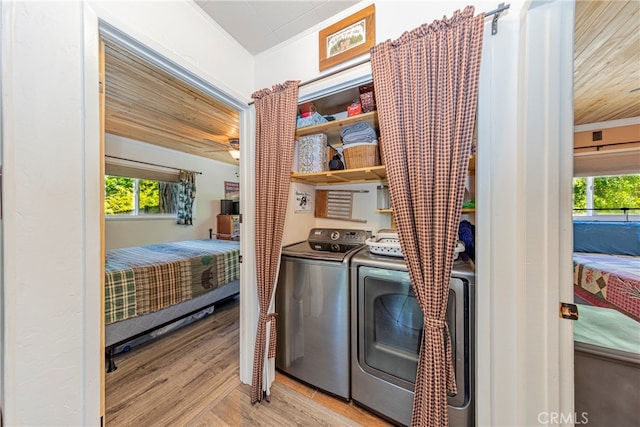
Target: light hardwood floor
190,378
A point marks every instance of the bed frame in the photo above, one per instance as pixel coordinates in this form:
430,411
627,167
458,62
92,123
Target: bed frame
120,333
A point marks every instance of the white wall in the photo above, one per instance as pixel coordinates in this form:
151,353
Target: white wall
44,208
392,18
51,181
364,206
123,232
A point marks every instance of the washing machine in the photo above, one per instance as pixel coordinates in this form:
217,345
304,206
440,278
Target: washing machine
313,306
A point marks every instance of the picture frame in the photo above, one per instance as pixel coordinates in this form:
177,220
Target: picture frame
232,191
348,38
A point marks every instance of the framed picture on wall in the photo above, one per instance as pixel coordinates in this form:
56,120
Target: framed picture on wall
348,38
232,191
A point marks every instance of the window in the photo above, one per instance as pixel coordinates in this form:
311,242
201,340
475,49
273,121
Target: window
126,196
606,196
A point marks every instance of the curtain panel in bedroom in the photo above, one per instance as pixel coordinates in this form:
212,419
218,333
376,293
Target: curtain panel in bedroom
426,90
186,197
276,111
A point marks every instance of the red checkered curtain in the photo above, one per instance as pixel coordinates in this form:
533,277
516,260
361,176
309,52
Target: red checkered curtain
276,111
426,89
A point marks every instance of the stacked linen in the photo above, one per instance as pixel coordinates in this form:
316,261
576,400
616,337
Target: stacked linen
360,145
361,132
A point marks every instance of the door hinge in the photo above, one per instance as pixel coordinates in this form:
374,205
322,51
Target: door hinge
240,259
240,218
101,421
569,311
100,86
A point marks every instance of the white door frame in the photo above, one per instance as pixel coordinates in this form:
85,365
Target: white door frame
524,171
94,26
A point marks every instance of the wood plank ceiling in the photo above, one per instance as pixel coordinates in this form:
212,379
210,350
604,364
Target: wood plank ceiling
606,61
147,104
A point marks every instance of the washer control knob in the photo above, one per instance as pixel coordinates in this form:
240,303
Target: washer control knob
335,247
335,235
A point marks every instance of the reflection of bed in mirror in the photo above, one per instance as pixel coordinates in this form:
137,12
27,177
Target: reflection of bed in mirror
148,288
607,334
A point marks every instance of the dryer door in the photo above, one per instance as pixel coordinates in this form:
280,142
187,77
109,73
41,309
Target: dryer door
390,324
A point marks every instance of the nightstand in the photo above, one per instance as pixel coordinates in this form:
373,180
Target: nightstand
228,227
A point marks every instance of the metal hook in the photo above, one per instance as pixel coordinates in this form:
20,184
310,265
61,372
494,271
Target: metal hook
494,23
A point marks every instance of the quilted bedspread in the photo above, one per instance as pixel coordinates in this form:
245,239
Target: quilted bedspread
144,279
612,278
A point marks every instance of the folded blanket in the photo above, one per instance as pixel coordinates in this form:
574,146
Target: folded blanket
313,119
359,132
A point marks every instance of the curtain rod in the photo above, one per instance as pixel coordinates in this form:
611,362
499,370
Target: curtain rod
607,209
150,164
494,30
598,147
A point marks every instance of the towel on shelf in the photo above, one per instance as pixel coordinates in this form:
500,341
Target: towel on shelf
359,132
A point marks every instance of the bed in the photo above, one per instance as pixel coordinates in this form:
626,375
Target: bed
150,287
606,265
610,281
606,283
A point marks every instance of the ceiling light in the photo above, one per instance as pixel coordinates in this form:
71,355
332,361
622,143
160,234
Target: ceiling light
234,145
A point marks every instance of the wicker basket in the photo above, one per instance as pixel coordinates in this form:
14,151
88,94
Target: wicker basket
361,155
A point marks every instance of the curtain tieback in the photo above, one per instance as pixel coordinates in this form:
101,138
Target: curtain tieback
430,323
434,323
263,319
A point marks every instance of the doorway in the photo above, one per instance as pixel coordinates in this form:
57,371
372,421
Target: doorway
158,117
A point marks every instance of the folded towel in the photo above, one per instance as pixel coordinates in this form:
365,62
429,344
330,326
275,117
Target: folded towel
359,132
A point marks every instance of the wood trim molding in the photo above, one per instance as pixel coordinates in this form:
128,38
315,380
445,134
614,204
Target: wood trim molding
613,135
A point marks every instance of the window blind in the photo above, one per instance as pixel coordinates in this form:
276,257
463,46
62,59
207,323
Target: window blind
609,162
131,169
